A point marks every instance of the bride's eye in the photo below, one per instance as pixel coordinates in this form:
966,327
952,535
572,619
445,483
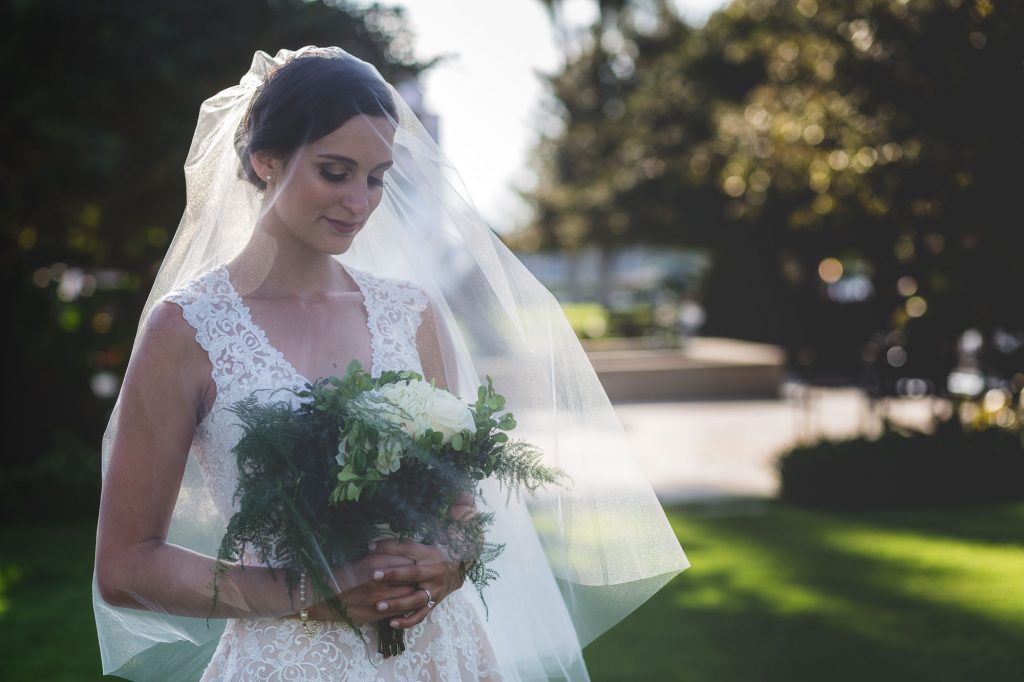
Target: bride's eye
377,182
333,177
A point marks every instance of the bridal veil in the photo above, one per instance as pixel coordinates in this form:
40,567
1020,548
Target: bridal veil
578,559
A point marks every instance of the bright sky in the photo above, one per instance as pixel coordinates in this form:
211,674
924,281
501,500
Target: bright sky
488,96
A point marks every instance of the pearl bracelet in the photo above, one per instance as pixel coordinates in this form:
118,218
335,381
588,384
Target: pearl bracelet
307,626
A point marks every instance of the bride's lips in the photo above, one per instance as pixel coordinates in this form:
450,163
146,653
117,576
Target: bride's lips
342,227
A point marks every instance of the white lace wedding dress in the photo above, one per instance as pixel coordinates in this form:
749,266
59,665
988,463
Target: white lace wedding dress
451,643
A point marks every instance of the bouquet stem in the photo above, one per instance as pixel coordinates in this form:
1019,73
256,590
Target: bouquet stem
390,642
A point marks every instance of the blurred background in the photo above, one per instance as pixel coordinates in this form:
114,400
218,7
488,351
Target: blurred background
788,233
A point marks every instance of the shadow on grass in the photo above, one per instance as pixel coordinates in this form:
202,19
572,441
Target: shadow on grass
794,595
967,522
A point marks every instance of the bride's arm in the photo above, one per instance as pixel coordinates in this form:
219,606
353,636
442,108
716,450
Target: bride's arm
166,390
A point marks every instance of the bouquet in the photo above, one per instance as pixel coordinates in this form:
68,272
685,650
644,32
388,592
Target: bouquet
365,458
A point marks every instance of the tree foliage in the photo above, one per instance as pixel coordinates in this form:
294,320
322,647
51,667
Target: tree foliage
880,133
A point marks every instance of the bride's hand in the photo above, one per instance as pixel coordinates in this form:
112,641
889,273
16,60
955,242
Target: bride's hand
432,571
361,594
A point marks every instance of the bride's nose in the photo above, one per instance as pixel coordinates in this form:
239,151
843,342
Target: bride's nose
355,197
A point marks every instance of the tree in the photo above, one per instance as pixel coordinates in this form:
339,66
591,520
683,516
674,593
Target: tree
102,99
599,157
788,132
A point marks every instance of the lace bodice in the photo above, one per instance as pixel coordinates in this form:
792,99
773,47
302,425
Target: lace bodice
244,361
450,644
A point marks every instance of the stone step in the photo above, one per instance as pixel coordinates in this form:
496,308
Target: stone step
706,368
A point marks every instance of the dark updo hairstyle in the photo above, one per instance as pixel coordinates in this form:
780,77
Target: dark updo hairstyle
305,99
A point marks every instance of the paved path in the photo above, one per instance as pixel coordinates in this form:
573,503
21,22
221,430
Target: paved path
693,451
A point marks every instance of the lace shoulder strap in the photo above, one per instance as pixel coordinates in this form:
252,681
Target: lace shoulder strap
394,310
224,329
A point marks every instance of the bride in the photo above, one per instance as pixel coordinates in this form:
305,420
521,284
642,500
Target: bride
322,226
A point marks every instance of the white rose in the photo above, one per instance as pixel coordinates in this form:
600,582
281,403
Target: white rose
447,414
391,406
426,407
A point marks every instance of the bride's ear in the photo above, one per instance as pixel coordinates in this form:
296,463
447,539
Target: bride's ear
265,164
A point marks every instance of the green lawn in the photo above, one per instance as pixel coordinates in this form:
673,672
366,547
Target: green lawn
773,594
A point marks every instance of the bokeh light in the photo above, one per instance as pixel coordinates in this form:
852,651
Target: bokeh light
995,399
965,383
830,270
896,356
916,306
906,285
104,384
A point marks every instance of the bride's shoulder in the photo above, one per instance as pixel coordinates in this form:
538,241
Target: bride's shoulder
212,283
179,312
167,338
166,322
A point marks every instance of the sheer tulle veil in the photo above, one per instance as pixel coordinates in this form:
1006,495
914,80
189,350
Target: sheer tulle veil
577,559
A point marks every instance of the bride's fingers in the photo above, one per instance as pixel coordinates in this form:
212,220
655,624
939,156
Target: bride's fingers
373,593
405,548
403,622
386,559
411,549
417,574
412,602
361,571
361,601
355,612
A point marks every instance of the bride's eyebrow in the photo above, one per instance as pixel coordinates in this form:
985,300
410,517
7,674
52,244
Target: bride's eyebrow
352,162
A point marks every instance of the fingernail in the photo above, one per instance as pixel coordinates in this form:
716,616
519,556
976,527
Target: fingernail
378,575
383,606
373,546
394,623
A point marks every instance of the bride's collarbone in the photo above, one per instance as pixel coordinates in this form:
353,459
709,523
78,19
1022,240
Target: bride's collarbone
316,340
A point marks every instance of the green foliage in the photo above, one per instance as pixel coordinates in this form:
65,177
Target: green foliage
951,466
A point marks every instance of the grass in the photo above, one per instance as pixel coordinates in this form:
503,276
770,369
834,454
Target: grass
829,597
774,593
46,622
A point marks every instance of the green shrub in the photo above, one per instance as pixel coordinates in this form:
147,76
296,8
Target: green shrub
951,466
58,485
588,320
636,320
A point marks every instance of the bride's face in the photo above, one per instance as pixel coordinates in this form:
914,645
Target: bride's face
325,192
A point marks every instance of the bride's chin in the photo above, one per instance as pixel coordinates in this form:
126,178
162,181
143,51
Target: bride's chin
337,251
340,245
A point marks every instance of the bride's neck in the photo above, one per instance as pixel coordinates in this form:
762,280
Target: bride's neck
273,267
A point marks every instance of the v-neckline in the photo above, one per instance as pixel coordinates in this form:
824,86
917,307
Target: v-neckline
262,334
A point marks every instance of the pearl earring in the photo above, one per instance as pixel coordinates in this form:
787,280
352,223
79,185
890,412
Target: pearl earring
269,178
